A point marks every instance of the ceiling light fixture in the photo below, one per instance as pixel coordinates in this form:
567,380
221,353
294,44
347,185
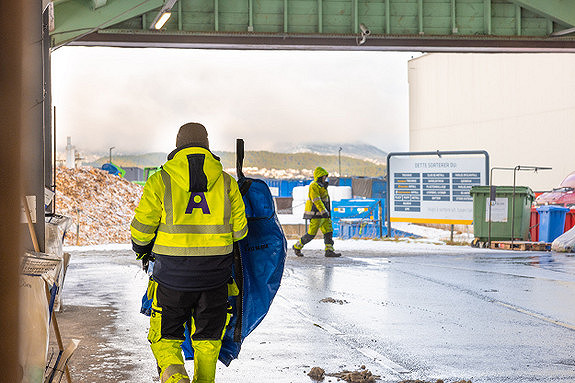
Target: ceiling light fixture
163,15
162,20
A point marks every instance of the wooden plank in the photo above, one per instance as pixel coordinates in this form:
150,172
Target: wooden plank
521,245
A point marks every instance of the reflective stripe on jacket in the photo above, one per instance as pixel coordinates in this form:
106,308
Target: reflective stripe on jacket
196,210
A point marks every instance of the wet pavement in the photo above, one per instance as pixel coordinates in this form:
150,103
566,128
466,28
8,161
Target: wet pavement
491,316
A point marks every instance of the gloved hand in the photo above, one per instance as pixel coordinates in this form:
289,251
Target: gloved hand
324,214
142,256
145,258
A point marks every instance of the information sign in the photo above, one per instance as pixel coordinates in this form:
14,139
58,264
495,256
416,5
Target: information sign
431,188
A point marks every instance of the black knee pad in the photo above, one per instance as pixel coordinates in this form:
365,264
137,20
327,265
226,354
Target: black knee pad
306,238
328,238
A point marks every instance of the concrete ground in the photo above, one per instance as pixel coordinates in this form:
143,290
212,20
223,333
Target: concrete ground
448,313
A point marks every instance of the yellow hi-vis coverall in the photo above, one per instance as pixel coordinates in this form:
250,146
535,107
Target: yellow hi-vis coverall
317,209
190,214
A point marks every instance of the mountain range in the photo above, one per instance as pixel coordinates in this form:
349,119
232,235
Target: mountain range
354,150
356,159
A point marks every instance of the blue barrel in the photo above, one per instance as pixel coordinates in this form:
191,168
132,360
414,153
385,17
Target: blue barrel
551,222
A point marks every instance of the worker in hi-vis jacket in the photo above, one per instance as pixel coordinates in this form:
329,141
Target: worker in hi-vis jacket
188,219
317,210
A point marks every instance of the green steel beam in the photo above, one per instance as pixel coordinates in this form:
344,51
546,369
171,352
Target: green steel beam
216,15
286,16
251,15
420,15
518,20
75,18
320,16
454,29
254,40
560,11
387,16
180,22
475,23
355,13
487,16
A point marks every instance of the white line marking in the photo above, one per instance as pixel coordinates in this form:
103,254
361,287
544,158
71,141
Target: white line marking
535,315
368,352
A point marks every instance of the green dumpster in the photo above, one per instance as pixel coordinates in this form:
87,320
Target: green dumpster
501,213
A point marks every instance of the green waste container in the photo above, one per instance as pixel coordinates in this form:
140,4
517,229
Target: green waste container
501,213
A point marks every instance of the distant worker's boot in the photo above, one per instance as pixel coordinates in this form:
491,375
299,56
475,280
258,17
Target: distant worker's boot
332,254
297,251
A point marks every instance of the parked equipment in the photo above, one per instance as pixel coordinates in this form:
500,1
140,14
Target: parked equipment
564,195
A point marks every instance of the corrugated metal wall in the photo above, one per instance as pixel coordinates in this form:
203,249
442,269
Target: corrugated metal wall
520,108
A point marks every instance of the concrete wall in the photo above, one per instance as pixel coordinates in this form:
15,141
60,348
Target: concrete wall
518,107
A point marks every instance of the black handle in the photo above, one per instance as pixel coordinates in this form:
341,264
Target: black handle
240,158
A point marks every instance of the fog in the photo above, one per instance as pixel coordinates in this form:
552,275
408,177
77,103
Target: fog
136,99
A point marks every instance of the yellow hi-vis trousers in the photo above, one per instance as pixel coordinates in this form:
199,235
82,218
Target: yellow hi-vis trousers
315,224
166,333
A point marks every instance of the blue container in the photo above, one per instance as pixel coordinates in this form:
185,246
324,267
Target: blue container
283,188
366,209
344,181
274,186
366,228
287,186
551,222
379,187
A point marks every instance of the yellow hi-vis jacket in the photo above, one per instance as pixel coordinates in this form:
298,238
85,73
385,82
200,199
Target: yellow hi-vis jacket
193,209
317,204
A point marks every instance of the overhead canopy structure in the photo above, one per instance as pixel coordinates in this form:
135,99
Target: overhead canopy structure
414,25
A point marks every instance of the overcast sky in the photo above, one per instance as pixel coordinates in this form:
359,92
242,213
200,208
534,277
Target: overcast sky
136,99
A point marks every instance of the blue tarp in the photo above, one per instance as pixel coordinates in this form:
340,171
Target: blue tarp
111,168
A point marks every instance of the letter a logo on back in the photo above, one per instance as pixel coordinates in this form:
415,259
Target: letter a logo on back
198,184
198,200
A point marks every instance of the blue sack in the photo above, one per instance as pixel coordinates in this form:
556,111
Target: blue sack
263,252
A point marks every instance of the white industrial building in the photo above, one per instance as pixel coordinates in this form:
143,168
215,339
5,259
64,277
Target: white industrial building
520,108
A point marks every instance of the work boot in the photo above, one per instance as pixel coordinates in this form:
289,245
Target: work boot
332,254
297,251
